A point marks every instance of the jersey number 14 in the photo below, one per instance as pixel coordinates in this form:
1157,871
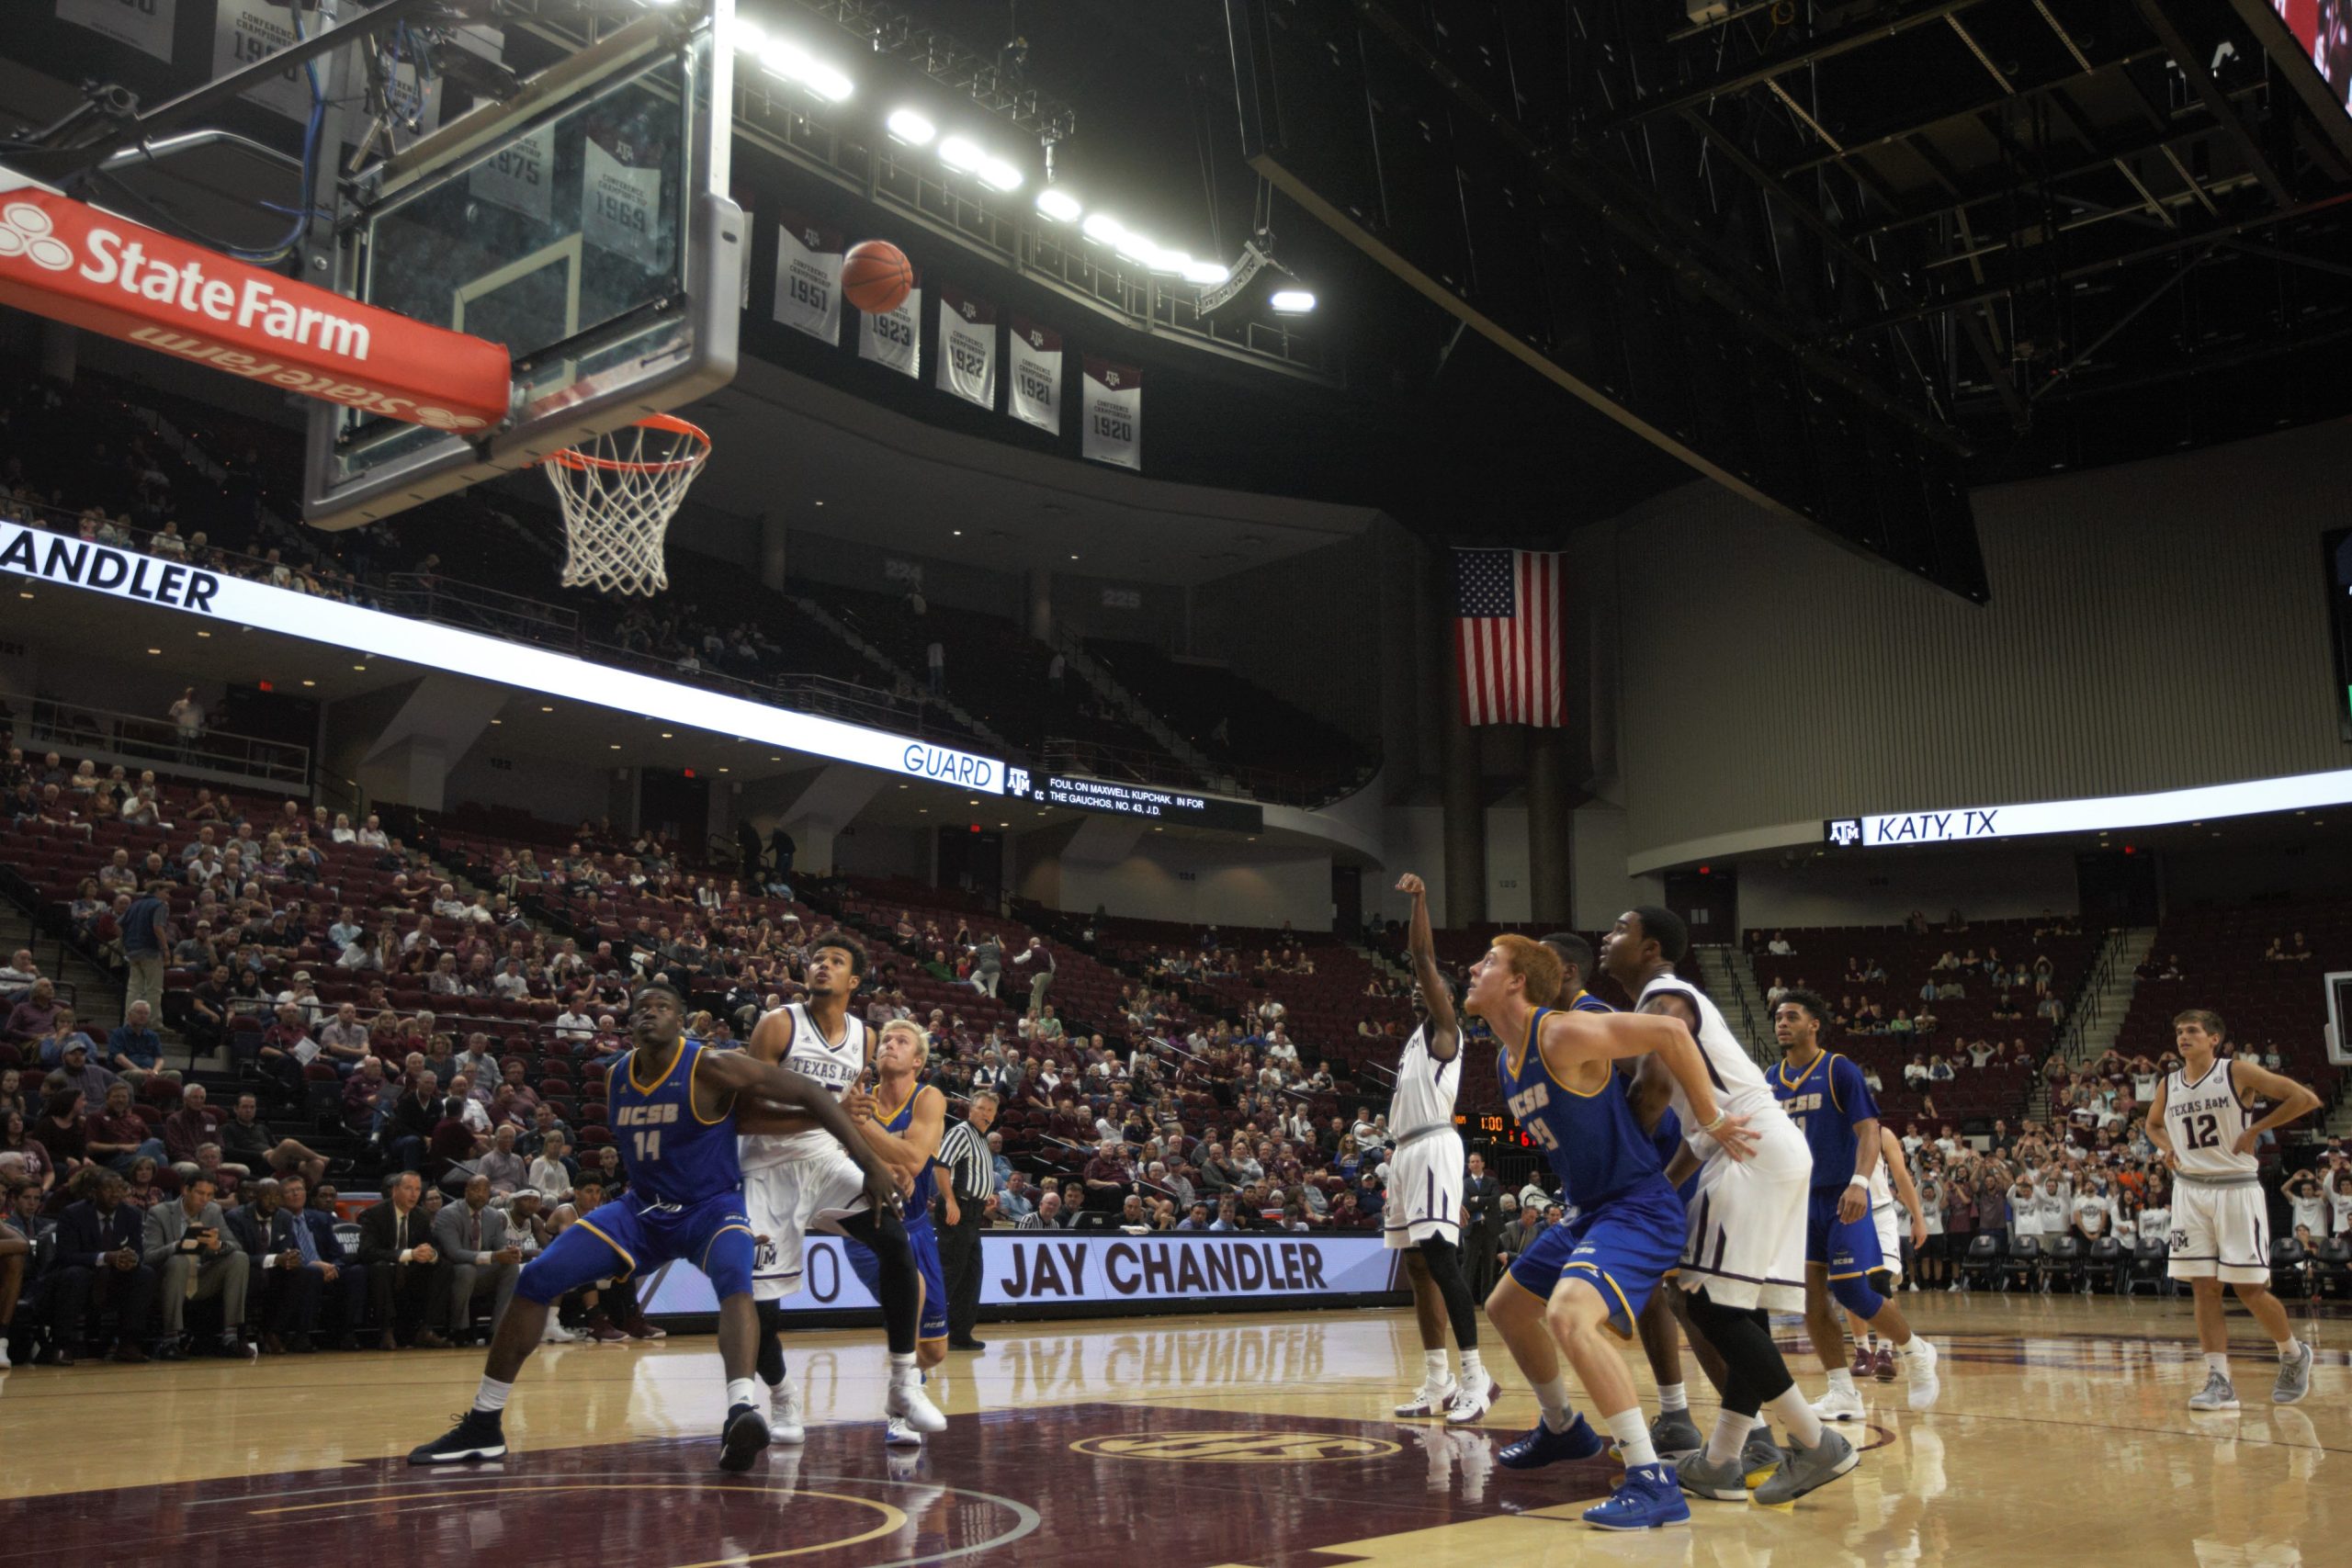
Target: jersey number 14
649,1144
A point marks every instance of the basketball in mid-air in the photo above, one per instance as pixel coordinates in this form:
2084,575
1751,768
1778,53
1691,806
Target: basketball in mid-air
876,276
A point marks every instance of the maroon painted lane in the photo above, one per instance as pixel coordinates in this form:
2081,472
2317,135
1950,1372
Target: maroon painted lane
1054,1486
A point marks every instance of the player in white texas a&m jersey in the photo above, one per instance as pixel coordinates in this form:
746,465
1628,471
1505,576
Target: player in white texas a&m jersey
1424,1211
1745,1250
2202,1119
795,1180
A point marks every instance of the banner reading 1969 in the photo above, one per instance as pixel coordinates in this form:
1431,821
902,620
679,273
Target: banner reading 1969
1026,1268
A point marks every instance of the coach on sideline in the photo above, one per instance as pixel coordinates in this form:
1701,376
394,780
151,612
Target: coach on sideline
972,1179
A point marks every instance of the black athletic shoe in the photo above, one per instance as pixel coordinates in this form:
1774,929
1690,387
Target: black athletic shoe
741,1440
967,1343
479,1435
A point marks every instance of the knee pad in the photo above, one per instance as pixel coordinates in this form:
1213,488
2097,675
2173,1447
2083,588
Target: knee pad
1855,1295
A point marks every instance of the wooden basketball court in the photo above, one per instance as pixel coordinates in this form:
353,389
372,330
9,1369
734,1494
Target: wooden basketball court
2061,1434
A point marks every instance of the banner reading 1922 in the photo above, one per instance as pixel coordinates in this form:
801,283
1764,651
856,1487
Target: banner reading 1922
1109,1269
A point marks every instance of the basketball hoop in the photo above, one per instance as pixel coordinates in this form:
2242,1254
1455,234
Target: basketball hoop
618,492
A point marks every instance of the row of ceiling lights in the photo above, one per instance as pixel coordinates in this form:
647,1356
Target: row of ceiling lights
790,61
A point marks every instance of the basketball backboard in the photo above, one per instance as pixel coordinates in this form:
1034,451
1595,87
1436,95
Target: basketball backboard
584,223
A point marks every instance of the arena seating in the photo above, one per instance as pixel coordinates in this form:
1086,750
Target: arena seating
2266,1002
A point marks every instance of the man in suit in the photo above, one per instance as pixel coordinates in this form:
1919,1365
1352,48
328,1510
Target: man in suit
188,1248
1479,1241
407,1278
96,1260
286,1294
483,1258
408,1132
342,1280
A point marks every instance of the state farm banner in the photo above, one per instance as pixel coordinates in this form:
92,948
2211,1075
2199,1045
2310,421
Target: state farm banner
891,338
1034,391
966,347
809,277
246,30
78,264
1171,1269
144,25
1113,417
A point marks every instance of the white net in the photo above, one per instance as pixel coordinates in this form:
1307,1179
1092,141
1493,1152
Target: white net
618,492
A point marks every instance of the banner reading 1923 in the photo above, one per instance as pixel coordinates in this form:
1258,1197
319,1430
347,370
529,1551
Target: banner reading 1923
1112,431
893,338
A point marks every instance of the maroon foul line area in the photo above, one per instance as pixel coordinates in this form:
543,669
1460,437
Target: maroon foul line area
1066,1485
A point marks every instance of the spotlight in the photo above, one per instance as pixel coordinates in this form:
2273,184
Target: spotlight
1103,229
793,63
1058,205
1172,262
1207,273
1292,302
959,155
751,38
996,172
910,127
1135,247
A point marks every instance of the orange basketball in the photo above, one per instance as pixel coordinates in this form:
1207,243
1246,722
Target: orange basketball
877,275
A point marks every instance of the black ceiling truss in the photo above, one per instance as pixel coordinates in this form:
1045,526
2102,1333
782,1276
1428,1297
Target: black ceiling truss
1959,237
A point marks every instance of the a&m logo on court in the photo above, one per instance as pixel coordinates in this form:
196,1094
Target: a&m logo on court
1236,1448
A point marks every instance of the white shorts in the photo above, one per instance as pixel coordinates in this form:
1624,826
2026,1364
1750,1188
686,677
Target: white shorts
1747,1222
785,1202
1425,1191
1890,1238
2221,1231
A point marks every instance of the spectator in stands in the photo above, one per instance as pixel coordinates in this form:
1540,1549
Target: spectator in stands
505,1169
1036,960
287,1047
96,1260
550,1171
246,1140
134,1049
35,1011
407,1278
410,1127
147,937
16,976
190,1127
118,1135
372,836
1047,1215
574,1023
187,1245
77,1070
363,1093
187,718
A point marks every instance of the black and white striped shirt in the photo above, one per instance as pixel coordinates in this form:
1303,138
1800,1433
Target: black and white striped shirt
964,1151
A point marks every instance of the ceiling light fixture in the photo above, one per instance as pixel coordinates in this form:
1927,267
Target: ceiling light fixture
1058,205
1290,302
910,127
1000,175
959,154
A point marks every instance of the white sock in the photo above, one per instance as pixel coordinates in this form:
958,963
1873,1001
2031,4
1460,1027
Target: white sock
1729,1437
1760,1424
903,1367
742,1390
1670,1397
2288,1349
1432,1368
1473,1371
1553,1397
2218,1361
1633,1437
1840,1380
491,1396
1804,1427
1909,1347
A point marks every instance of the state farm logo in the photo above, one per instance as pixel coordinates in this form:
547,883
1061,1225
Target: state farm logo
26,230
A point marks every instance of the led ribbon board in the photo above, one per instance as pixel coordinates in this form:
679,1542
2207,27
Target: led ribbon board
126,574
1970,824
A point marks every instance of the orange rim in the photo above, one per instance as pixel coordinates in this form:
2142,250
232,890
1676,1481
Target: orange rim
572,457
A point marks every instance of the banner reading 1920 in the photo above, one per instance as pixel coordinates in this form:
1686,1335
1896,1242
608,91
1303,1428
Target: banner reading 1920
1109,1269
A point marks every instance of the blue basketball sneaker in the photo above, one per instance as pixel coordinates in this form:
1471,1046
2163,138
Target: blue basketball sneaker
1542,1445
1647,1498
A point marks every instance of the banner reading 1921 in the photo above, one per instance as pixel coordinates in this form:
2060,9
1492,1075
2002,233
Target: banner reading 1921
1020,1268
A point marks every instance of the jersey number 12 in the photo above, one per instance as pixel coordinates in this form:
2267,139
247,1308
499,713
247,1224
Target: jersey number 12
2204,1130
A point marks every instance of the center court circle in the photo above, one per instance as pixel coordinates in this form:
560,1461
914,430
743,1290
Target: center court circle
1236,1448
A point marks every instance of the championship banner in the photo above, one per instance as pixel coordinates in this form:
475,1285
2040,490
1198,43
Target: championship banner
144,25
520,176
809,277
83,265
1034,396
620,207
967,348
891,339
246,30
1112,423
1167,1269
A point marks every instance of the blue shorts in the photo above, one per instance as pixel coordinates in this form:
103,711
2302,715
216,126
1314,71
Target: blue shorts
630,1236
924,1242
1851,1251
1625,1247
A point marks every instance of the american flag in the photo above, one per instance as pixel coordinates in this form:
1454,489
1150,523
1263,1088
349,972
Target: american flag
1508,607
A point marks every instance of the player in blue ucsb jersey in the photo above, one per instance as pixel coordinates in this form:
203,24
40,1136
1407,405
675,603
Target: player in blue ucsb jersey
1558,1070
1825,1096
672,1112
904,1119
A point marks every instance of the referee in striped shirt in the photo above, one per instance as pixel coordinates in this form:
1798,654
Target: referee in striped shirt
971,1181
